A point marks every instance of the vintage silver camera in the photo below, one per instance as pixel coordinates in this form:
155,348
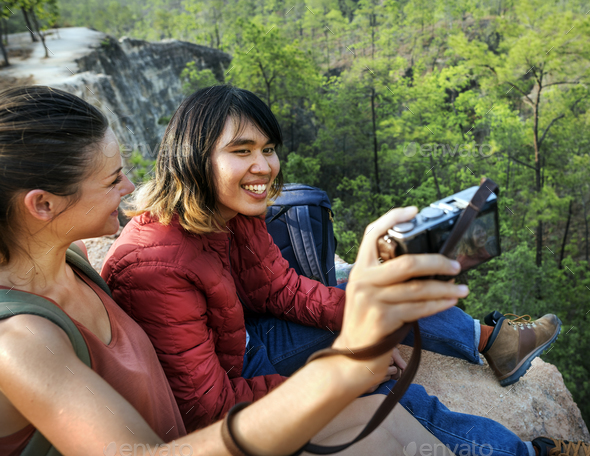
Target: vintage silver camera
429,230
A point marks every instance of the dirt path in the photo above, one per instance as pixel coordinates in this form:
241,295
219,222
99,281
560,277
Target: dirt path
29,65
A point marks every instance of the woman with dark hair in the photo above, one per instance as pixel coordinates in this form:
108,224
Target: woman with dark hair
197,269
62,181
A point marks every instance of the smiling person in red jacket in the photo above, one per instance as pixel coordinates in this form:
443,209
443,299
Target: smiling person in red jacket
196,258
197,269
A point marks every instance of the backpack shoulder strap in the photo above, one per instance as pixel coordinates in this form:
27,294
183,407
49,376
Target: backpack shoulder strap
39,446
302,240
19,302
75,256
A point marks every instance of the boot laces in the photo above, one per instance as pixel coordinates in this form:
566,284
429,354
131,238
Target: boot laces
566,448
520,320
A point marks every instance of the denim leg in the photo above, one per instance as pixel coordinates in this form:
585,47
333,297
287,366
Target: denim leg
287,344
256,361
450,333
277,346
462,433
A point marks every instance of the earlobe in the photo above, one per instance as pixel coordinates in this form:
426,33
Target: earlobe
40,204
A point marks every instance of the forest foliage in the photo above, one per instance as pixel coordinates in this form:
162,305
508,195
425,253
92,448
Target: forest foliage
388,103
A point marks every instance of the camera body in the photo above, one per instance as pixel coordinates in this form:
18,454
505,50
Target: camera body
430,229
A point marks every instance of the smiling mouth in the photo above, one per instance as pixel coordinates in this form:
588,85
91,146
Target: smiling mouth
259,189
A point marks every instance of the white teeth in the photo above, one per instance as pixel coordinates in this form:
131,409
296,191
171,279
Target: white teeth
255,188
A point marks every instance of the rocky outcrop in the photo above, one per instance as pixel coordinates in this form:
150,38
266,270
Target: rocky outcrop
144,79
539,404
135,83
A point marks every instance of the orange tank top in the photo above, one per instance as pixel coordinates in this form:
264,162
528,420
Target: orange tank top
130,365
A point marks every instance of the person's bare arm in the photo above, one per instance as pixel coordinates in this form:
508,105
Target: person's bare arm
81,414
78,411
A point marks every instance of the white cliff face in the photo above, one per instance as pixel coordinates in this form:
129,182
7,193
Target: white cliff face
65,47
135,83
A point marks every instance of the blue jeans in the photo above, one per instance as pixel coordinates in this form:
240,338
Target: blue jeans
450,333
281,347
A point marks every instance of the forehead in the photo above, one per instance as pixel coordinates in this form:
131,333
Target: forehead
109,146
244,128
109,156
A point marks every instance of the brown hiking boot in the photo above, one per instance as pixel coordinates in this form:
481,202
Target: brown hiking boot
516,342
555,447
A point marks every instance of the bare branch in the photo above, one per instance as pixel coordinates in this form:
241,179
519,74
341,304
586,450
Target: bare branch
548,127
575,103
521,91
520,162
561,82
491,69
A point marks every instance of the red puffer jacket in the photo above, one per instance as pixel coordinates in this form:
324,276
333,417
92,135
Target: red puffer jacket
183,291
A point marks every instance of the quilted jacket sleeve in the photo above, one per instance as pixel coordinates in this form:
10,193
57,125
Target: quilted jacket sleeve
171,307
283,293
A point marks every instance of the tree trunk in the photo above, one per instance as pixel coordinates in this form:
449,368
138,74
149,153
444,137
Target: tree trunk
344,151
5,21
29,25
586,229
375,150
432,164
507,176
538,183
567,227
34,16
4,53
373,25
217,38
327,54
292,131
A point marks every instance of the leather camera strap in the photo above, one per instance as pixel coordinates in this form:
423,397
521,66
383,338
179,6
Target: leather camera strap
486,188
385,345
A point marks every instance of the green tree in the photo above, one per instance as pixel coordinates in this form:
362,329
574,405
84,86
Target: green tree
37,14
4,15
195,79
273,67
542,66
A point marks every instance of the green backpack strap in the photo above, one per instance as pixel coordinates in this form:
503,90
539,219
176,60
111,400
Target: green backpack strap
75,256
39,446
18,303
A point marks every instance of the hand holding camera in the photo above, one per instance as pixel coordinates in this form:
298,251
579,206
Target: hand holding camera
463,226
430,231
382,297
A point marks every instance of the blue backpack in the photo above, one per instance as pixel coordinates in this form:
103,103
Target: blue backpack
300,223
